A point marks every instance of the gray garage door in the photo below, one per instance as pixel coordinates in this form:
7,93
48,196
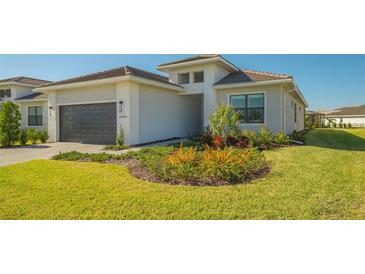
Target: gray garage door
90,124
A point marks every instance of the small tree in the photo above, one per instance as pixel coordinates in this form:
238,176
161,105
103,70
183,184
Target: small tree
224,122
10,118
120,138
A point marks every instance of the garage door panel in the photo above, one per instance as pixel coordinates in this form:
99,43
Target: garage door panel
92,123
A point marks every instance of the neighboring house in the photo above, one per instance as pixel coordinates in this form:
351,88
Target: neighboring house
348,115
151,107
318,117
33,106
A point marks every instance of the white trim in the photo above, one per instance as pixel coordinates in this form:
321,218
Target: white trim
197,62
87,103
83,84
19,84
300,95
155,83
251,84
110,81
247,93
27,112
30,100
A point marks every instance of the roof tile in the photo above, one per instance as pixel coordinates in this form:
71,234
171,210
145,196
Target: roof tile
25,80
245,75
117,72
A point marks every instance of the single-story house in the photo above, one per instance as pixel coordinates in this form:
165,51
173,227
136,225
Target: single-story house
348,115
150,107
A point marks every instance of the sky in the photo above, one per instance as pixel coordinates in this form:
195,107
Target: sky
326,81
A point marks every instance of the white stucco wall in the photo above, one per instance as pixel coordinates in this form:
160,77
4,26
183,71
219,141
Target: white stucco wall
86,94
212,74
273,105
148,114
165,114
290,125
21,91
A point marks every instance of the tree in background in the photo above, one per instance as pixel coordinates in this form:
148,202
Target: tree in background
10,118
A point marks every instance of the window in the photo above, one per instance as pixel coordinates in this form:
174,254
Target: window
250,107
295,112
5,92
35,116
183,78
199,77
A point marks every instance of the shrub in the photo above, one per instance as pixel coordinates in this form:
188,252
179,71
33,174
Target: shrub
116,147
263,139
120,138
335,125
9,124
94,157
232,165
241,141
43,135
298,135
229,165
181,156
344,125
349,125
281,139
219,142
224,122
32,135
207,137
69,156
23,137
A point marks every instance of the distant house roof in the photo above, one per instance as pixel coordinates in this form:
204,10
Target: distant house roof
25,80
34,96
121,71
357,110
244,75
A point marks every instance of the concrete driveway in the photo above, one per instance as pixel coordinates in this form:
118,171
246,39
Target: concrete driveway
10,156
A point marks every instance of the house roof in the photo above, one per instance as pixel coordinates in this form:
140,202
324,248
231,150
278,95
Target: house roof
25,80
357,110
244,75
191,59
33,96
202,57
116,72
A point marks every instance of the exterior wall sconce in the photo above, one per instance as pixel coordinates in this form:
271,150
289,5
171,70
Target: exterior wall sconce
120,106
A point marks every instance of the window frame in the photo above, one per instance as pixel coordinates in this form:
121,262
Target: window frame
246,94
200,71
178,78
37,116
295,113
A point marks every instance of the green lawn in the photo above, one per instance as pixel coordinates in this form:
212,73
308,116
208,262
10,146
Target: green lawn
324,180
